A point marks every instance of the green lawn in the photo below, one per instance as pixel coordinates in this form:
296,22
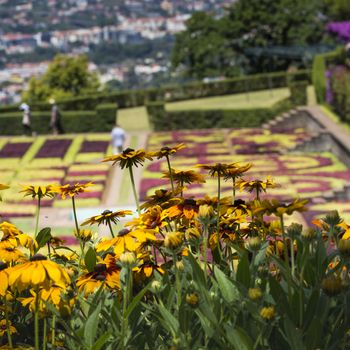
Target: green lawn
132,119
257,99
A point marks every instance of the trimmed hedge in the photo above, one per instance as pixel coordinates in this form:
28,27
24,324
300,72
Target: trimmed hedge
162,120
72,122
298,93
134,98
319,68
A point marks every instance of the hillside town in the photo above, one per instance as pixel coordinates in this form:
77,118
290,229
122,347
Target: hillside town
82,27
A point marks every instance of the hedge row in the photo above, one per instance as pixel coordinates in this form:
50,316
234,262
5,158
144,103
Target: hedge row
101,120
162,120
319,70
133,98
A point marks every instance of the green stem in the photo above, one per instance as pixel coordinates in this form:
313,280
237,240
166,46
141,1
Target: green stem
37,217
75,216
177,282
36,321
44,334
53,331
292,256
218,209
110,229
134,190
171,173
9,338
205,253
233,189
257,193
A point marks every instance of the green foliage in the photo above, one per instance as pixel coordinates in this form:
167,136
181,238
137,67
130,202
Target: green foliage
340,84
160,119
101,120
339,10
298,92
66,76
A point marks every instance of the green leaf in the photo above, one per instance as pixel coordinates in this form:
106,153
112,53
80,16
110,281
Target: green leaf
239,339
43,236
228,290
91,326
90,259
136,300
243,272
293,335
101,341
170,321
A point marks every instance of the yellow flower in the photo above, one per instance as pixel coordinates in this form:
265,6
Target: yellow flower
129,157
4,283
84,235
218,169
173,239
106,217
182,177
3,328
154,218
188,209
72,190
166,151
257,185
268,313
3,187
39,191
192,299
9,230
37,273
163,198
254,293
236,171
9,253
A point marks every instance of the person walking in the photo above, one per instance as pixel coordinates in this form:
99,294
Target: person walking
118,139
55,121
26,119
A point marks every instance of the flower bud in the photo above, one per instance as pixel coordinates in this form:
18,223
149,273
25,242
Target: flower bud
156,286
192,299
308,234
254,293
268,313
205,212
254,243
344,247
85,235
127,258
173,240
332,285
180,265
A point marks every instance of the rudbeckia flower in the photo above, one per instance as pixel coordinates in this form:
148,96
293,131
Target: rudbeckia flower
154,218
257,185
181,177
4,283
3,328
218,169
39,191
166,151
3,187
106,217
10,254
188,209
162,197
129,157
9,230
72,190
37,273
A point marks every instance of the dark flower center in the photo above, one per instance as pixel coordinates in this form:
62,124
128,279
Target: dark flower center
106,212
3,327
165,148
123,232
3,266
128,150
189,201
238,202
38,257
100,277
100,268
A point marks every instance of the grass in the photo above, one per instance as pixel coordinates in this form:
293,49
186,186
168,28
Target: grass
133,119
256,99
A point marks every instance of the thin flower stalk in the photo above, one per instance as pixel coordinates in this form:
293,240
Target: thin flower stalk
134,190
9,337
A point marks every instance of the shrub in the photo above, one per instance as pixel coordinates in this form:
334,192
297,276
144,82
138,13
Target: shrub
298,92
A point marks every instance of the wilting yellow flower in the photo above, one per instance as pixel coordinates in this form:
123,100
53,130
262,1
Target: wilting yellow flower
3,328
277,208
4,283
184,177
37,273
173,239
254,293
129,157
218,169
106,217
192,299
72,190
39,191
256,185
346,228
268,313
166,151
3,187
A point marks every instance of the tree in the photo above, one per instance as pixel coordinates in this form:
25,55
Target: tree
339,10
66,76
201,50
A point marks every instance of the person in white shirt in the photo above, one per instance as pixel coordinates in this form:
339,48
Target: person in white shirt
27,129
118,139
